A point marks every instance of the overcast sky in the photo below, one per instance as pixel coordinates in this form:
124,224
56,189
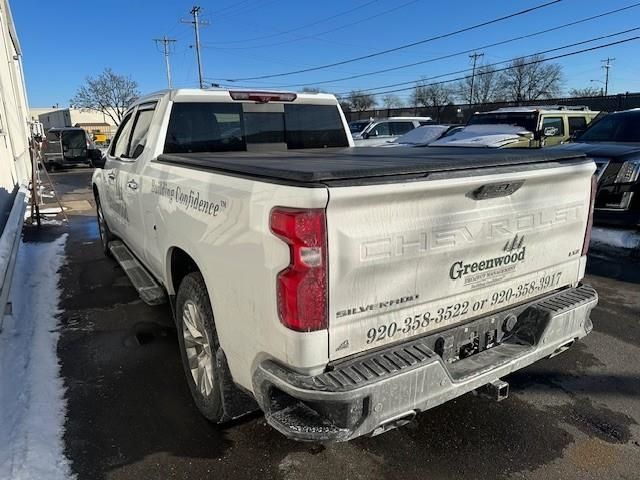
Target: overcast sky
65,41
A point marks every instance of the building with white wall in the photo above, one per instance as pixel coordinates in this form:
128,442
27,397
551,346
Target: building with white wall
15,158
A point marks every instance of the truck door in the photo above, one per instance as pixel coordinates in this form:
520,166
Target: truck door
554,130
128,182
112,205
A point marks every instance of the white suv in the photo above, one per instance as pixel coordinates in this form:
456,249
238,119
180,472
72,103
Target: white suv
383,130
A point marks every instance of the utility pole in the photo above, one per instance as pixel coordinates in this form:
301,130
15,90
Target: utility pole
166,49
607,65
195,12
474,58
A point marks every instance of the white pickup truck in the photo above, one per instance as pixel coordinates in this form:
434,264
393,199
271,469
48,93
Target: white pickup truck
341,290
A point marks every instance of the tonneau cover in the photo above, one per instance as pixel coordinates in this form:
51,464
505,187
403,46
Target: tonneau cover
330,165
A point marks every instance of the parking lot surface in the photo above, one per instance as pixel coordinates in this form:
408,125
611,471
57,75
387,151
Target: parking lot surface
130,415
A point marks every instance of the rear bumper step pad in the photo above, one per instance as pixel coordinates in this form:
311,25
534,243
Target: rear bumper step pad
368,393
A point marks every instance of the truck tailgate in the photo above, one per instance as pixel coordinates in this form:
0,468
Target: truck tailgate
414,257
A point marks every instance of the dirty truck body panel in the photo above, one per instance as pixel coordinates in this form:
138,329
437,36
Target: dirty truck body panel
449,253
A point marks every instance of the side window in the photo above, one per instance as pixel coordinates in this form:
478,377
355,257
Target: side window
577,123
400,128
140,129
381,129
121,140
553,122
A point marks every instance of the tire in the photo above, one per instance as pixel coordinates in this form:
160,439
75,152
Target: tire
105,234
198,345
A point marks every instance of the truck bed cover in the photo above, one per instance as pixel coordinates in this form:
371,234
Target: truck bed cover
322,166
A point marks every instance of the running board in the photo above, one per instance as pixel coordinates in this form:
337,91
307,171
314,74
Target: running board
150,292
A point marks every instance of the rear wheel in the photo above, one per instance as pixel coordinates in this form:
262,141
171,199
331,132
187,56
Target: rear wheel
198,345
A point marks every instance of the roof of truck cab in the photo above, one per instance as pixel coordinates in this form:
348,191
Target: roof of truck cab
195,94
320,166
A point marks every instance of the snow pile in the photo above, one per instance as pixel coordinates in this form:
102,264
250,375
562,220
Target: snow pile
483,136
609,237
419,136
32,406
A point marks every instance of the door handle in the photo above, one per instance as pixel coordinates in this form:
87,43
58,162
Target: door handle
132,185
111,176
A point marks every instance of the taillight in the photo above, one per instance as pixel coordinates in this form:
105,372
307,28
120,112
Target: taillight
263,97
587,233
302,286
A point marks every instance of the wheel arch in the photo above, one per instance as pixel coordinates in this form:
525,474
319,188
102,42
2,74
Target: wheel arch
179,263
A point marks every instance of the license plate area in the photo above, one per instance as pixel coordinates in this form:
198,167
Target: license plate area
518,325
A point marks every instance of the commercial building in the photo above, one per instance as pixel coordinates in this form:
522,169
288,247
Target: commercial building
95,123
15,158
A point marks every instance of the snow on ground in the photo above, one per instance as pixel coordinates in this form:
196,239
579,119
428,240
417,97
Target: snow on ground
615,238
32,405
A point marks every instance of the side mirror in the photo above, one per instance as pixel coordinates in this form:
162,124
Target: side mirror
550,132
138,151
366,135
99,162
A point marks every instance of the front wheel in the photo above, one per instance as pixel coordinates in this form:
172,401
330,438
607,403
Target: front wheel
198,345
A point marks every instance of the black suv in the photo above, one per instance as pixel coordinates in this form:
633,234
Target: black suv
614,144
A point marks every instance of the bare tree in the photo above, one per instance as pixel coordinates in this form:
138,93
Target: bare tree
108,93
435,95
529,78
392,101
485,87
586,92
361,101
345,104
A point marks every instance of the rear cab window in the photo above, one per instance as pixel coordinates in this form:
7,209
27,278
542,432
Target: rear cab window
227,127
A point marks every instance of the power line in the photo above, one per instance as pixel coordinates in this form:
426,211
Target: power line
543,52
166,47
532,62
317,35
464,52
607,65
302,27
195,11
405,46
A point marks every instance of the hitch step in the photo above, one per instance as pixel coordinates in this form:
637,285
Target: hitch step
149,290
496,390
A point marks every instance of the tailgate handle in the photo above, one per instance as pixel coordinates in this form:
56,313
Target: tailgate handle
495,190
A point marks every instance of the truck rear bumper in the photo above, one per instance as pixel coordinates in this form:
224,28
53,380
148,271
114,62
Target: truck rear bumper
383,389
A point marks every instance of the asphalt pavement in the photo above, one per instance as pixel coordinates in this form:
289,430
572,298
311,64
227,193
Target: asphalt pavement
130,415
